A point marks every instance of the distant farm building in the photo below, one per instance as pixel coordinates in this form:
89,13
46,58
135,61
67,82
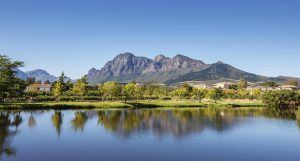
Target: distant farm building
287,87
39,87
200,86
258,87
223,85
195,84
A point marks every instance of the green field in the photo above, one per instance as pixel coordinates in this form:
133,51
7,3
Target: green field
131,104
64,105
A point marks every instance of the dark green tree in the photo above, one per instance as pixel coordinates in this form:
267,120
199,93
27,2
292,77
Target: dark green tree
199,94
80,86
215,94
282,99
149,91
188,89
30,80
59,87
10,85
111,90
269,84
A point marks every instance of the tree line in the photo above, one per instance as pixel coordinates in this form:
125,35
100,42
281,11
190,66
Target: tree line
114,91
132,91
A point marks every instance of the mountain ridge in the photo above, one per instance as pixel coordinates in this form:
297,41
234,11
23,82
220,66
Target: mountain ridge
127,67
38,74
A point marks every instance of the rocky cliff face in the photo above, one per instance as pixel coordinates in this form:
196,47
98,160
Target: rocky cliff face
177,62
126,64
126,67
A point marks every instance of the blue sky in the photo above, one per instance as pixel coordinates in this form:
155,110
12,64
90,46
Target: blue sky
258,36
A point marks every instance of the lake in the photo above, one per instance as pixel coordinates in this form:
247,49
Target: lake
149,135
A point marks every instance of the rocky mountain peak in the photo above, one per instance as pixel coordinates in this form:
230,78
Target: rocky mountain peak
181,61
37,72
179,56
124,55
160,58
92,71
123,65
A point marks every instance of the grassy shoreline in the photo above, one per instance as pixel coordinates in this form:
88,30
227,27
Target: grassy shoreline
64,105
133,104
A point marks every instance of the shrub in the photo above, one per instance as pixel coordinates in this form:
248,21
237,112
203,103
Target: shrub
43,98
283,99
93,93
92,98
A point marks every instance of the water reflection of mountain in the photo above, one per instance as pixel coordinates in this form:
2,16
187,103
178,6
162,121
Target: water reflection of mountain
176,122
9,123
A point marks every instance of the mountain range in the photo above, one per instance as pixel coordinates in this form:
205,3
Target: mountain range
38,74
127,67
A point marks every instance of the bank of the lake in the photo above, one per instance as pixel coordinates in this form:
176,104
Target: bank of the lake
133,104
64,105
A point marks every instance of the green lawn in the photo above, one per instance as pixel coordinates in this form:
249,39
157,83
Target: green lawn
66,105
239,103
130,104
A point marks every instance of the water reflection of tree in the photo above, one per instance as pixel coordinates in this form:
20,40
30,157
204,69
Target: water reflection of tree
177,122
31,121
57,120
17,120
298,117
109,119
159,121
79,121
7,133
277,113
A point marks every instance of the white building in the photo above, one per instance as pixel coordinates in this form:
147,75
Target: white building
200,86
223,85
287,87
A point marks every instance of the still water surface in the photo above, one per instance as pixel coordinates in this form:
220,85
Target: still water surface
149,134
